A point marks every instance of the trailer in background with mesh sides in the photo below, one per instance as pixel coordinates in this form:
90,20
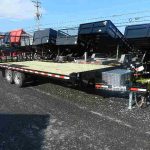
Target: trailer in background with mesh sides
16,45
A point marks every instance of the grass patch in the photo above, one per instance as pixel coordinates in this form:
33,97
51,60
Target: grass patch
144,81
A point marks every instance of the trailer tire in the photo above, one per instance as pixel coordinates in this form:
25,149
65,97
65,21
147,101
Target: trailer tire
3,73
19,79
9,76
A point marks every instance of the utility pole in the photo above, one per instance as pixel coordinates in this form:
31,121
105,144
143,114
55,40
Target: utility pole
38,15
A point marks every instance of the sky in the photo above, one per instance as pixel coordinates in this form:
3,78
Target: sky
17,14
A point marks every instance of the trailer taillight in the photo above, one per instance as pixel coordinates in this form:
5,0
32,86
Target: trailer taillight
138,90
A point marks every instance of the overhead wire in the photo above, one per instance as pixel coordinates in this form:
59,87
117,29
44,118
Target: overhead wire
94,18
75,23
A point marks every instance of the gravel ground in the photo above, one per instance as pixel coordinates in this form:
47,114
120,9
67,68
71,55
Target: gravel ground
49,116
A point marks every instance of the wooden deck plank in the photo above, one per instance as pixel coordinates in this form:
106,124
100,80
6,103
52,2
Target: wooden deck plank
56,68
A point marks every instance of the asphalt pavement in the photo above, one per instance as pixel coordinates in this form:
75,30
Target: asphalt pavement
52,116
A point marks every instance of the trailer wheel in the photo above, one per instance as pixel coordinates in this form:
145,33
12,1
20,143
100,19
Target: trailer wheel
19,79
9,76
3,73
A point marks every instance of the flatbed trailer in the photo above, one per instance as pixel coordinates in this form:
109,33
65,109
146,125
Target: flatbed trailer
77,74
71,72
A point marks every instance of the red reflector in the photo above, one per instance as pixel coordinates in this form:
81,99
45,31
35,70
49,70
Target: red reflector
62,77
53,75
134,89
97,86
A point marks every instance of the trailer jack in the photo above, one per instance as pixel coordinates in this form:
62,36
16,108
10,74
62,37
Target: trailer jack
138,96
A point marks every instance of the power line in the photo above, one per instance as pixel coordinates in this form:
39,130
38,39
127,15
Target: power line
38,15
118,24
124,22
96,18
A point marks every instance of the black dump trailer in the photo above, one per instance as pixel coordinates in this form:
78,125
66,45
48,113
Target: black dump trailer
44,44
46,36
103,34
139,37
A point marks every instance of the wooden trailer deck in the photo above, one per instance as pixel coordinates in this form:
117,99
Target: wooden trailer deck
56,68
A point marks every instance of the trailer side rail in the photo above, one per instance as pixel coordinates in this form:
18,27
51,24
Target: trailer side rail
45,74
